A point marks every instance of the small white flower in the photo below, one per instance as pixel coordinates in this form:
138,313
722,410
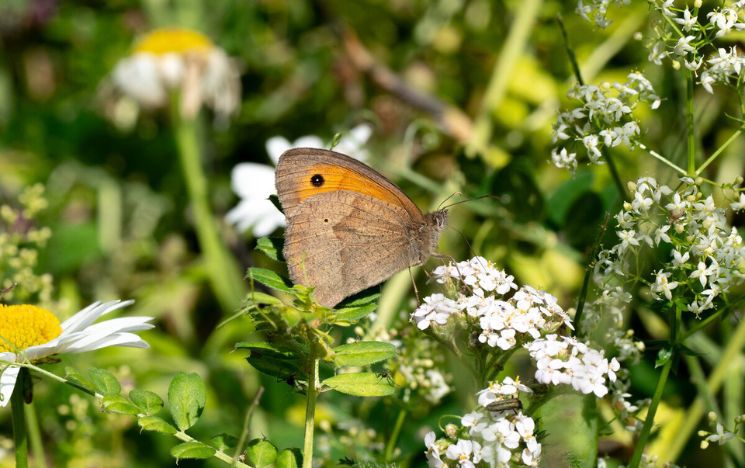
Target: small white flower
465,453
683,46
78,334
688,21
436,308
678,259
739,204
662,285
564,159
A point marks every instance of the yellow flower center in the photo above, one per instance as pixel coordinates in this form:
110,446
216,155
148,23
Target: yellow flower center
25,325
174,41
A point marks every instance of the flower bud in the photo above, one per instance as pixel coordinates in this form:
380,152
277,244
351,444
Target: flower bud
697,4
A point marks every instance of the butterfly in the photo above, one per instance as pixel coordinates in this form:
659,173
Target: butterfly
348,227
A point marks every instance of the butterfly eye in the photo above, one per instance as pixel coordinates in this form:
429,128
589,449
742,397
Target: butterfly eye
317,180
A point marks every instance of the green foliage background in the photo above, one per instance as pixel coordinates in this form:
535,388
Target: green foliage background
120,217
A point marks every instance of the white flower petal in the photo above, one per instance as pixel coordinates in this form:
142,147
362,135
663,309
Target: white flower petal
90,314
308,141
7,383
275,146
251,180
129,340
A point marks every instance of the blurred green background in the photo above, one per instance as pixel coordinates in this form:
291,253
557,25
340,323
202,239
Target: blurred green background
120,216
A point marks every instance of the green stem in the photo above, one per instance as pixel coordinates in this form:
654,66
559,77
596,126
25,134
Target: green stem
649,421
34,435
691,129
19,420
390,446
729,358
224,275
614,173
311,394
719,151
219,454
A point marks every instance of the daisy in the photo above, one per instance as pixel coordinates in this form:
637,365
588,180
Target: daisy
29,333
179,60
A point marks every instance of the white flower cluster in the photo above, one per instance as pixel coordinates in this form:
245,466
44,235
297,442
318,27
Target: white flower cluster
596,11
684,37
503,322
497,438
706,253
604,118
564,360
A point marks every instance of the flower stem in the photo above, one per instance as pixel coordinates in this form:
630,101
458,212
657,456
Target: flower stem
691,129
719,151
224,274
649,421
34,435
614,173
390,446
19,420
311,394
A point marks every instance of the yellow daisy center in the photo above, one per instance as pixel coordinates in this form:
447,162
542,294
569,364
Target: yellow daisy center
174,41
26,325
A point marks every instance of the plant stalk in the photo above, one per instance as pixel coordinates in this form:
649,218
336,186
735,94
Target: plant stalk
34,435
390,446
649,421
311,395
224,275
691,130
20,436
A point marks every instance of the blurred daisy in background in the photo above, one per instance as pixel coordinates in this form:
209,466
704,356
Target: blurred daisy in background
29,334
254,183
182,61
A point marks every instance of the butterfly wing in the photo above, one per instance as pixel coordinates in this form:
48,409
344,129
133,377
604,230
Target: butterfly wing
343,242
296,180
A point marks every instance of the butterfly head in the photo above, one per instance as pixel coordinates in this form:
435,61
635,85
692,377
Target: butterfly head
438,219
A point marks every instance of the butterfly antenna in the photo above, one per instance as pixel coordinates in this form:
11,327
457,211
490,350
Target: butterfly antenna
439,207
488,195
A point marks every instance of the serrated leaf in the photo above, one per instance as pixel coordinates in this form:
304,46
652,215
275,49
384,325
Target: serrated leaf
149,402
366,384
261,453
287,459
116,403
186,399
363,353
193,449
663,356
156,424
269,279
104,382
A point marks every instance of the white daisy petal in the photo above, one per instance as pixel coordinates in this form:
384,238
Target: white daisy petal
7,383
90,314
251,180
275,146
129,340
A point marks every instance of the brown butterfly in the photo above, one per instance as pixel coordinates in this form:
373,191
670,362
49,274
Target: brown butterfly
348,227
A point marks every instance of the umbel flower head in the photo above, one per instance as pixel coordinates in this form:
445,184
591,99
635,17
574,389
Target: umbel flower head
29,333
182,61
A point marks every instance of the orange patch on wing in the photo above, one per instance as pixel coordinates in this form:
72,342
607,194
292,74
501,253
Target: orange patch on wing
339,178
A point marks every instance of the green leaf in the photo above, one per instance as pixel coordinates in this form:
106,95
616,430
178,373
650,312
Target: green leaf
277,362
567,193
78,379
116,403
193,449
287,459
261,452
269,279
186,399
365,384
363,353
154,423
223,441
104,382
354,314
149,402
275,201
570,422
272,247
663,356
